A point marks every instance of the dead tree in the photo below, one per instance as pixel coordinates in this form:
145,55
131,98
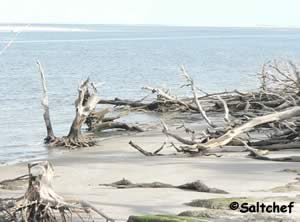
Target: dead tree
272,111
42,203
45,103
85,113
84,105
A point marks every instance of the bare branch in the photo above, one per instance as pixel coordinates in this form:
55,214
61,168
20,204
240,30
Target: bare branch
200,109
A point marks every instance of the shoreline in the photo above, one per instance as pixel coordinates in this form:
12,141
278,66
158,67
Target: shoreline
78,173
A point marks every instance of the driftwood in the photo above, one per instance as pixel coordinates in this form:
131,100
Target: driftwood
85,113
197,186
45,103
279,90
42,203
231,134
151,106
15,183
272,112
261,155
227,137
84,105
97,122
116,125
181,149
96,117
146,153
190,82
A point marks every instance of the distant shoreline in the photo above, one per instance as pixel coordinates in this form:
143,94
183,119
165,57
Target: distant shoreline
11,27
15,28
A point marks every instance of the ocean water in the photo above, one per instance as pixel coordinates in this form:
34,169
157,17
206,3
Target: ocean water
124,58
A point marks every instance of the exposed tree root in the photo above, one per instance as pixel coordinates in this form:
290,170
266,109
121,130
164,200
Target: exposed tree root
73,143
41,203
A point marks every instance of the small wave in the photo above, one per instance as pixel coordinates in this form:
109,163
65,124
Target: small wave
21,145
22,160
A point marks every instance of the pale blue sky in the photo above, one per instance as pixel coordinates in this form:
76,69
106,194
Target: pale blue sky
280,13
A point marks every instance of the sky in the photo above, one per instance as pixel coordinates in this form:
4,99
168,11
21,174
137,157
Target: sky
239,13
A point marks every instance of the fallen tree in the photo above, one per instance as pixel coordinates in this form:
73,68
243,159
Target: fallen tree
272,112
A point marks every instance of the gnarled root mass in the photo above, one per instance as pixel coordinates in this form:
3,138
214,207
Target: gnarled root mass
41,203
72,142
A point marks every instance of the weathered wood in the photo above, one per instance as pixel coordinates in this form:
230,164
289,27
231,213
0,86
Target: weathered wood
194,90
116,125
122,102
232,133
280,146
261,155
96,117
179,138
197,186
146,153
83,109
273,117
42,203
45,103
170,98
84,104
226,109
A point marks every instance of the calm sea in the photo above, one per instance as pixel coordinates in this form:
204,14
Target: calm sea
125,58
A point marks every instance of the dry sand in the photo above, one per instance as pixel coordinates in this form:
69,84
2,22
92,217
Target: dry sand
79,172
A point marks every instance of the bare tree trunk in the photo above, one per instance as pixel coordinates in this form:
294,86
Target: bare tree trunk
45,103
75,130
84,104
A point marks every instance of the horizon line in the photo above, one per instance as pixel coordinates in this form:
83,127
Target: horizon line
157,25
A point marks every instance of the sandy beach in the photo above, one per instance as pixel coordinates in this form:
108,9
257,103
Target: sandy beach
78,174
150,111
